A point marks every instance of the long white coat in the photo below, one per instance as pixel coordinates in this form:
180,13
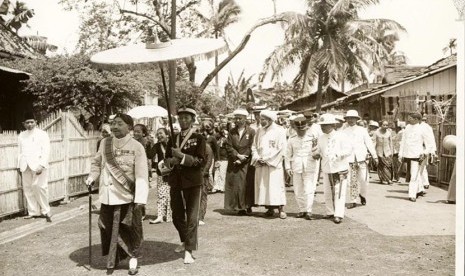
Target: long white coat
269,145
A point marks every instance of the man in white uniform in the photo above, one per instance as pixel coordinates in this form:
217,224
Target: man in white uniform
334,151
360,141
430,151
301,166
268,151
413,149
34,151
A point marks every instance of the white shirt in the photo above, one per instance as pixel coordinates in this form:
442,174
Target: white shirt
334,151
430,136
299,153
34,149
413,140
360,141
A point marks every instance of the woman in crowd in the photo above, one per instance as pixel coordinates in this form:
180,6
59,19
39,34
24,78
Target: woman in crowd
163,188
220,173
382,138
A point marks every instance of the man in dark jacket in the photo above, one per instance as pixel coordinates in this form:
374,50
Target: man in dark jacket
239,192
186,155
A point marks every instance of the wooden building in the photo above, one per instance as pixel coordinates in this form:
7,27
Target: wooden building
430,90
309,102
13,103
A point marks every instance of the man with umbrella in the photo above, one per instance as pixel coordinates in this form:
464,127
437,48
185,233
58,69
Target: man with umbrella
186,157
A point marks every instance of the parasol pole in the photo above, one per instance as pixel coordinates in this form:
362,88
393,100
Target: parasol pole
168,108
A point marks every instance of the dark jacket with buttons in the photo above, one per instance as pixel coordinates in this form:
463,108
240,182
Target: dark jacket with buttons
189,174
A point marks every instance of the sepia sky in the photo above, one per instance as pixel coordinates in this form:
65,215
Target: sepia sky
429,23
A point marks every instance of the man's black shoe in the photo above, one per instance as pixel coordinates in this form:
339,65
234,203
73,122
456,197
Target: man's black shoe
301,215
351,205
48,218
363,200
242,213
308,216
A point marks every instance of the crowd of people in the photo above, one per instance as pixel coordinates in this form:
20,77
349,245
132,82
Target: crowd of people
249,158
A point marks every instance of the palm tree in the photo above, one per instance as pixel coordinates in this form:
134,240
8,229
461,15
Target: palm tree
332,44
451,46
222,15
235,91
19,15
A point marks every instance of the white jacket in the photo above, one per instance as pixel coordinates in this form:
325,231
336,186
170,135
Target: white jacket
415,141
334,151
430,136
34,149
299,154
361,143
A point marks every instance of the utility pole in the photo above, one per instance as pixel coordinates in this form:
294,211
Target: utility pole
172,64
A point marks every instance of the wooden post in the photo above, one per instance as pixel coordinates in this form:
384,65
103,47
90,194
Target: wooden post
65,124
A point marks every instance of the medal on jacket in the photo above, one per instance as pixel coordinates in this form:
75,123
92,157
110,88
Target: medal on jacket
117,152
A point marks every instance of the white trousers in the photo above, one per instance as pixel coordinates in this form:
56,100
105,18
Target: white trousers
304,190
359,181
36,192
424,177
416,182
335,197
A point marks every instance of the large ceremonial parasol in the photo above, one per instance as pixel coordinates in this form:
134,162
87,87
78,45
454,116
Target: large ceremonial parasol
147,111
156,52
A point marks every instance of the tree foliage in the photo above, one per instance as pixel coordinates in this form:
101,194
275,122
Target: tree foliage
235,91
15,15
333,45
72,82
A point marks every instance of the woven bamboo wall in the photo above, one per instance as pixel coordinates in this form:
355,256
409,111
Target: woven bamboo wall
71,149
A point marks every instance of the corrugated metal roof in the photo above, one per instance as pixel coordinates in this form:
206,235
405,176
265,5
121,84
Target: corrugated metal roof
12,46
434,68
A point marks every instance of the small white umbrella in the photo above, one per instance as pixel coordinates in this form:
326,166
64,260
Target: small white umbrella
147,111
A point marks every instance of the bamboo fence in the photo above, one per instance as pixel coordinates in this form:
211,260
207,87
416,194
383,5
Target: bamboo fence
71,150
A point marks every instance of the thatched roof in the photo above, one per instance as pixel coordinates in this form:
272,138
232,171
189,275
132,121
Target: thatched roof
13,46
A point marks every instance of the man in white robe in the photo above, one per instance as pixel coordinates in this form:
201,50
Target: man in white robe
268,151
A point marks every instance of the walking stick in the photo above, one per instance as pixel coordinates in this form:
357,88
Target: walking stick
90,224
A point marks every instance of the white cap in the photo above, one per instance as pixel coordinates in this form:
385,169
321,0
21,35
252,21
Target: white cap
373,123
269,114
241,112
352,113
327,119
339,118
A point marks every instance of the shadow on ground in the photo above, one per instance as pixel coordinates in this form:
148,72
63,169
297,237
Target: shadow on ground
398,197
398,191
152,252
